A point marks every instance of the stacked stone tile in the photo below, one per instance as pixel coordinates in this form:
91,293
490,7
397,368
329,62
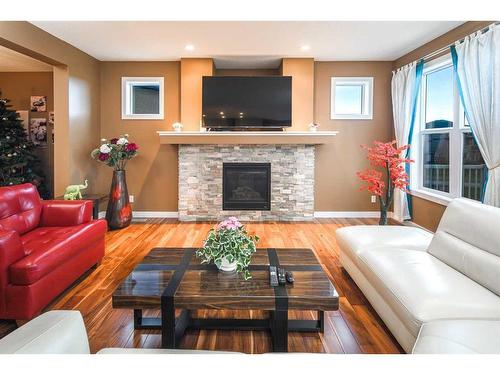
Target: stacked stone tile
292,181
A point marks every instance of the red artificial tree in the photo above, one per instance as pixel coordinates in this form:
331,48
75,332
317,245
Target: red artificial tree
388,157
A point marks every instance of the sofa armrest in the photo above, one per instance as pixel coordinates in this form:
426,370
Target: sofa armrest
55,332
11,250
60,213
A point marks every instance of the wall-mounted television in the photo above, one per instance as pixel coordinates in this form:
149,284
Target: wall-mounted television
247,102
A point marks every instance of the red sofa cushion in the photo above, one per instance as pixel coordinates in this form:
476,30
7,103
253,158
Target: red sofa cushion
59,213
51,247
20,208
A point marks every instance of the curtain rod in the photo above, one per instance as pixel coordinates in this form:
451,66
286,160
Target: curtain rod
433,54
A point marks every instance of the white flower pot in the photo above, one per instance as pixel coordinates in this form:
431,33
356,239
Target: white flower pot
226,266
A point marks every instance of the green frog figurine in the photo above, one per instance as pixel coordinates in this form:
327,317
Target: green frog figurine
73,192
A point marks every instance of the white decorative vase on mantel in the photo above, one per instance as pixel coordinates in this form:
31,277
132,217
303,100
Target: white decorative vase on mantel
226,266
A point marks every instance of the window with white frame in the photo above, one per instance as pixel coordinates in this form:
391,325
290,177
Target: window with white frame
351,98
448,163
142,98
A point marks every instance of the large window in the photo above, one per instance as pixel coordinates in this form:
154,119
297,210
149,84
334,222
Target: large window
142,98
448,163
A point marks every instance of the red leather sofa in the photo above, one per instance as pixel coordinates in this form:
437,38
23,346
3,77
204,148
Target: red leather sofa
44,247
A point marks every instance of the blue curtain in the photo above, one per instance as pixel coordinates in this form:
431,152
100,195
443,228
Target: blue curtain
416,91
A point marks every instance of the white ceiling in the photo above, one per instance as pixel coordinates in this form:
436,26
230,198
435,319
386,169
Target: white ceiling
12,61
265,41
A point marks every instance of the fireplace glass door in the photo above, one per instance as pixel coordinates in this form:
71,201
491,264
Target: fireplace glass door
246,186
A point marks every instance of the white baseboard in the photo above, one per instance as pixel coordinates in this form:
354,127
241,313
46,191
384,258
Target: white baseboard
149,214
155,214
349,214
317,214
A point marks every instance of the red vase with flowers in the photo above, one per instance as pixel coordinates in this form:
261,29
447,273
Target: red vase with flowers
115,153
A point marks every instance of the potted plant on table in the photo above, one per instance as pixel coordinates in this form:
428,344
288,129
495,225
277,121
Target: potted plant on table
230,247
115,153
393,174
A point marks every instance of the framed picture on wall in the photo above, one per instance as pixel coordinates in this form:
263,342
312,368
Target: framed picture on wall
38,131
38,104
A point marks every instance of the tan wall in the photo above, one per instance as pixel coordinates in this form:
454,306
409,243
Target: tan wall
76,101
18,87
336,164
152,175
302,73
192,71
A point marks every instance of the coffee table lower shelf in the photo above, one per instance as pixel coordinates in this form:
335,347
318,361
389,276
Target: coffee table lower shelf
278,324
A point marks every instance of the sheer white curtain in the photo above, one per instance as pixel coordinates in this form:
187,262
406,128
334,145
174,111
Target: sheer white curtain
477,64
404,88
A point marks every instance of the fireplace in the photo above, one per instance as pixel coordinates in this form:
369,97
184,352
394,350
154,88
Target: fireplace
246,186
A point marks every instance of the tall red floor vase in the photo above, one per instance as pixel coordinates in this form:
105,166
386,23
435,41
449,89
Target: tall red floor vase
119,211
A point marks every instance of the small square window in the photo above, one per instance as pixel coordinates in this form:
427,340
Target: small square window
142,98
352,98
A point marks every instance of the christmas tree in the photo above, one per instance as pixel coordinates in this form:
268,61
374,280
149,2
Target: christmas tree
18,163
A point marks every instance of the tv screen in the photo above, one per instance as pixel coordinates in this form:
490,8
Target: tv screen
247,102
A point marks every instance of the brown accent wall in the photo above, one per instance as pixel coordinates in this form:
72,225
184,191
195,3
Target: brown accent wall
336,164
192,71
152,175
427,213
76,99
18,87
302,73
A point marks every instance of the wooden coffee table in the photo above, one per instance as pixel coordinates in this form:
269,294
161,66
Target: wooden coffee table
174,278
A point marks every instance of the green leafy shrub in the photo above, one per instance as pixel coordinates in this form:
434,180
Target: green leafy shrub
230,240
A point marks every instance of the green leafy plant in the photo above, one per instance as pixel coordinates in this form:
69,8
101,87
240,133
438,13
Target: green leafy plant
229,240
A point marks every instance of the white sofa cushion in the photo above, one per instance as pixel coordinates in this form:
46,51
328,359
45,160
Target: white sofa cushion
468,239
55,332
353,240
459,337
419,287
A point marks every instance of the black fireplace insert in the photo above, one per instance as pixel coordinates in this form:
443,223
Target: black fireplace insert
246,186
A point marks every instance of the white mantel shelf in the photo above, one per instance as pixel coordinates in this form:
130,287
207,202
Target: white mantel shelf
247,138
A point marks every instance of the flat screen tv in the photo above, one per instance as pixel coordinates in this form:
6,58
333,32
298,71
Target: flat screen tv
247,102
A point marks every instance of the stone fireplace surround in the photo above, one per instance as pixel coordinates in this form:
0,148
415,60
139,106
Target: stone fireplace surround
292,180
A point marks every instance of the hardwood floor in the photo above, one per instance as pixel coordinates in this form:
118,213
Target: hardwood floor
355,328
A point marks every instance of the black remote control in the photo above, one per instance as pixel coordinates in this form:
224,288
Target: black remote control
281,276
289,277
273,276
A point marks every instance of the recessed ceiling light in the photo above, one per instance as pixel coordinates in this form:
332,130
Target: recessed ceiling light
305,48
189,47
221,113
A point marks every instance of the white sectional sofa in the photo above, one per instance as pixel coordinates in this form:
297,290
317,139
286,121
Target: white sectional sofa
63,332
436,293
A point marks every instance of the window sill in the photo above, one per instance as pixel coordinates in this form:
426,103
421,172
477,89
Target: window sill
142,117
436,198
